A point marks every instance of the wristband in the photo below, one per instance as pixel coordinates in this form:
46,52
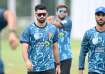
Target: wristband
57,63
14,31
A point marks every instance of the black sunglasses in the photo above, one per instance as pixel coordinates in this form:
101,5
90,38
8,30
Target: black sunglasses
41,14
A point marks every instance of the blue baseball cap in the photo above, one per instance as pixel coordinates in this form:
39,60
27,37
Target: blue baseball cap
100,10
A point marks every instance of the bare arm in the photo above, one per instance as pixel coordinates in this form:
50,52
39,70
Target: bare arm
25,56
56,53
11,19
11,22
56,56
54,22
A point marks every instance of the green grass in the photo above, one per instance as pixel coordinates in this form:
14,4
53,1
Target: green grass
12,59
14,63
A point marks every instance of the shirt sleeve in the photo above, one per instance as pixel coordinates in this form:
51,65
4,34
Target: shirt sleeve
24,38
83,51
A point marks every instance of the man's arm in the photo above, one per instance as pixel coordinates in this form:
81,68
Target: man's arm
25,56
84,50
11,19
52,20
56,56
11,22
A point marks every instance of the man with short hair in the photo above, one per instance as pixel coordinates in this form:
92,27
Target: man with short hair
93,43
39,42
64,24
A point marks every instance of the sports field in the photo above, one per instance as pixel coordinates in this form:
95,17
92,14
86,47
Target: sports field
14,63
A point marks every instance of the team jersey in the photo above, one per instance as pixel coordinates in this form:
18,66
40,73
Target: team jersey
64,39
93,43
40,40
3,22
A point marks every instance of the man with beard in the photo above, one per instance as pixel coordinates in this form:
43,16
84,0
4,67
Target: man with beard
63,22
39,42
93,43
7,18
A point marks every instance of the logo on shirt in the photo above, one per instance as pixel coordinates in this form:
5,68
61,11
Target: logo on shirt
37,36
97,39
47,43
61,35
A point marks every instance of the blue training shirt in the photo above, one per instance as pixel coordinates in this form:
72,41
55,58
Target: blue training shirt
64,43
40,40
93,43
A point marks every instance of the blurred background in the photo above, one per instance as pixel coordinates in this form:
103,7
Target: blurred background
82,15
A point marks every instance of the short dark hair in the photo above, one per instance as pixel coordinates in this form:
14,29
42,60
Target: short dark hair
61,6
40,7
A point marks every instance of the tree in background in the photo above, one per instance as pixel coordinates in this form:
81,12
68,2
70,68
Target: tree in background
23,7
68,3
3,4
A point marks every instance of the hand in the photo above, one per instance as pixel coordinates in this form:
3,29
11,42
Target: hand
57,24
58,70
29,65
80,71
13,41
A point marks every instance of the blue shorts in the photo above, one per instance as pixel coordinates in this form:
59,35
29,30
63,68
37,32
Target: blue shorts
1,67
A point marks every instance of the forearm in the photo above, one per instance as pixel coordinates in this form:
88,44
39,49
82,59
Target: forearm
25,56
11,19
82,60
25,52
56,53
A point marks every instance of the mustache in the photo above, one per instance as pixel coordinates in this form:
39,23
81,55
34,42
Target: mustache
41,17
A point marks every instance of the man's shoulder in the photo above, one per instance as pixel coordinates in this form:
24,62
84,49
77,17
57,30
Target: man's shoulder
90,31
50,25
68,19
29,26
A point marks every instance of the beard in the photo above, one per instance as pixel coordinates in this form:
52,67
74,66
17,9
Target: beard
41,20
101,23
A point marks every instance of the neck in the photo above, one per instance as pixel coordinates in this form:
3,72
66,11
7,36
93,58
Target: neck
40,24
100,28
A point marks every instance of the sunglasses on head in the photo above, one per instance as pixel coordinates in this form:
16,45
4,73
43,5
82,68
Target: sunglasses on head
41,14
62,11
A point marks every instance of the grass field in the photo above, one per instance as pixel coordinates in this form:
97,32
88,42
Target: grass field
14,63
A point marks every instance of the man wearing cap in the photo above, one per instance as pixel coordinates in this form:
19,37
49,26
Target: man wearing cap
93,43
